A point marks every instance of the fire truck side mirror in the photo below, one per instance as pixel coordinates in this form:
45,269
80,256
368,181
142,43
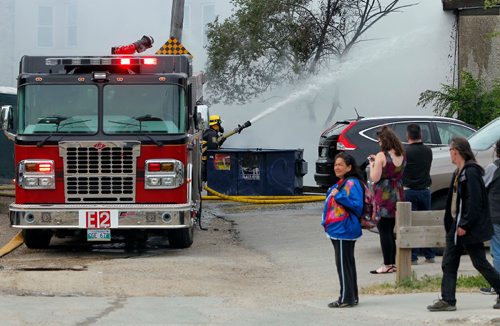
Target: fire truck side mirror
202,117
7,121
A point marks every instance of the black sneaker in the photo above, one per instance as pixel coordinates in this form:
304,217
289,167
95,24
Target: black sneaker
497,305
338,304
441,305
487,291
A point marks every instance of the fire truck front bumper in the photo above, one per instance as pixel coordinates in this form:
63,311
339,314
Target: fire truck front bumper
129,216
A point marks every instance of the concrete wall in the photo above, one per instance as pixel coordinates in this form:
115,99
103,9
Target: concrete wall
479,52
478,49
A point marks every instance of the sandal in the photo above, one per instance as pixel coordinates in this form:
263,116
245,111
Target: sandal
384,269
338,304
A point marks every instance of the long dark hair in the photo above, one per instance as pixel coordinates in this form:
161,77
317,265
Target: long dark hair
389,140
463,148
350,161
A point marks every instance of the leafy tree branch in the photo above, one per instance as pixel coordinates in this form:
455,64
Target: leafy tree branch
265,43
472,102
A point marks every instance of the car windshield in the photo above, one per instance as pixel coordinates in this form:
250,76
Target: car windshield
485,137
57,109
143,109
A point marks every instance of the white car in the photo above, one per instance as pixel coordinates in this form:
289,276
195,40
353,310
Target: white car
482,143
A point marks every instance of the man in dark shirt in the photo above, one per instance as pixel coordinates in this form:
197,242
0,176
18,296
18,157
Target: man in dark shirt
417,180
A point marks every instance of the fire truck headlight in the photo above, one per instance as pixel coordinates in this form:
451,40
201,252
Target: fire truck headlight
152,181
45,182
167,181
31,182
36,174
163,173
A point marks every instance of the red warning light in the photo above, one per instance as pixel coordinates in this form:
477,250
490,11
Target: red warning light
125,61
153,167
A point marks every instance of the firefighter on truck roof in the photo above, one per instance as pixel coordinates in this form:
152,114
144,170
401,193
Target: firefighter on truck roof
212,140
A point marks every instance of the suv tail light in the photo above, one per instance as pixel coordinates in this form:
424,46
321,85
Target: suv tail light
343,143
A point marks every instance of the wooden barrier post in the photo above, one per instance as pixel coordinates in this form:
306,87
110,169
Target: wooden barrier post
420,229
403,255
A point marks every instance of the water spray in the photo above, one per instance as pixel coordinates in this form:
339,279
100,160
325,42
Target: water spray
317,83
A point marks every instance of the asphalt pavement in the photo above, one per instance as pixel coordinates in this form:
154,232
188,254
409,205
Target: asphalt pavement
298,280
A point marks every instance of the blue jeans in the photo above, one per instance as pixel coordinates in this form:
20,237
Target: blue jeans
495,247
420,201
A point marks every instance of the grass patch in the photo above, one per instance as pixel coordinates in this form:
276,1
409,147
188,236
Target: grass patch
427,284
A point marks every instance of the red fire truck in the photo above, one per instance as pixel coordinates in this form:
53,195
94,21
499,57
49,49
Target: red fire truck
106,146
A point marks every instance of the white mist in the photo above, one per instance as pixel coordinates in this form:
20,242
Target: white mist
408,52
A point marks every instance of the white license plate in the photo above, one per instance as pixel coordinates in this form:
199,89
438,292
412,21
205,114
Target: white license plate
98,235
98,219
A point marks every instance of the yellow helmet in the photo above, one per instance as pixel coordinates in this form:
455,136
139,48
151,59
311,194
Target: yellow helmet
214,120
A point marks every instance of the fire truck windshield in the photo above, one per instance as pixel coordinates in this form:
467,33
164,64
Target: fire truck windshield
53,109
139,109
143,109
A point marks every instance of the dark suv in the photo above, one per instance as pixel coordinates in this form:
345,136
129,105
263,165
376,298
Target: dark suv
359,138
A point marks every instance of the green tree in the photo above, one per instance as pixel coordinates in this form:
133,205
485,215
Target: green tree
491,3
269,42
472,102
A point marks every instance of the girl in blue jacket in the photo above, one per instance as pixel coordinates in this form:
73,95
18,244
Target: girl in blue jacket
341,215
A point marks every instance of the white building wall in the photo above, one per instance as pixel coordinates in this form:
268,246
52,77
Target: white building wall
99,25
7,64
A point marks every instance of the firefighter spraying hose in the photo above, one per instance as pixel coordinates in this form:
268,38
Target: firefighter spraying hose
214,137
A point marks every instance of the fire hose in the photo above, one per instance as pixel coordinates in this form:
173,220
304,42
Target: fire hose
265,199
223,138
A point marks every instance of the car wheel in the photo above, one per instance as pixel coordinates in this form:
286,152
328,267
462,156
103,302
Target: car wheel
438,203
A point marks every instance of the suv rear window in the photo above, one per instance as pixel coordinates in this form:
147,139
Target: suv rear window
336,129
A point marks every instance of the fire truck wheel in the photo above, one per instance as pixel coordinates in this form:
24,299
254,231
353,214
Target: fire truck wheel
37,239
181,238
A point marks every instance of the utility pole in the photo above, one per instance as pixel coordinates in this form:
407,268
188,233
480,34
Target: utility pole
177,19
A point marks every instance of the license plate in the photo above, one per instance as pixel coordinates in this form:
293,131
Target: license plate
98,219
98,235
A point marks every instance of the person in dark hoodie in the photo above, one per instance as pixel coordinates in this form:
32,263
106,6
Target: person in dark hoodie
467,223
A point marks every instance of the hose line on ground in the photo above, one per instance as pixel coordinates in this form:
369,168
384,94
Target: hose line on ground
266,199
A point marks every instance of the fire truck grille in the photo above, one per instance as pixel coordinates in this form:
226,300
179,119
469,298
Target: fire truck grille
100,186
108,160
103,172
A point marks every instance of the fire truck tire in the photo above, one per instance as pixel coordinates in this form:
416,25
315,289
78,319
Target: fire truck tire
37,239
181,238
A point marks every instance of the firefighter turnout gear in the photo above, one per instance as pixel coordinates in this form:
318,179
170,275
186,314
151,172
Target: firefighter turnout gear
212,140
